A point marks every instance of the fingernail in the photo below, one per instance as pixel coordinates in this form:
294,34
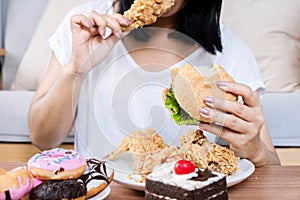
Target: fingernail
202,126
205,111
120,34
209,100
222,84
103,32
89,23
124,21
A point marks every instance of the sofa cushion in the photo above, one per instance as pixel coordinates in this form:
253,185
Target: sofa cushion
14,111
14,107
282,116
21,21
271,29
35,60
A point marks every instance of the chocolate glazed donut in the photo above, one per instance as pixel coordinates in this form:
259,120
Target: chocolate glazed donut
75,189
96,170
57,190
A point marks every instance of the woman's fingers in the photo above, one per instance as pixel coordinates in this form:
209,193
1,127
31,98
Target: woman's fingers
227,120
239,124
249,97
221,131
98,23
122,20
77,21
238,109
114,22
233,115
91,44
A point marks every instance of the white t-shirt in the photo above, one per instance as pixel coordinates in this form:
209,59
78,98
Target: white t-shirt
118,97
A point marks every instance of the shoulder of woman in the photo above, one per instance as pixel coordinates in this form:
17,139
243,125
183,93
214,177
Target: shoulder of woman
231,39
60,42
234,48
238,59
100,6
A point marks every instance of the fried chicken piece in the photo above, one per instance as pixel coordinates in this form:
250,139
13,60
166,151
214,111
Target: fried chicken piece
144,163
139,143
146,12
148,150
195,146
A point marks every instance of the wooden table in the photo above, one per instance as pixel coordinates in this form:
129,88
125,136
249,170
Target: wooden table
270,182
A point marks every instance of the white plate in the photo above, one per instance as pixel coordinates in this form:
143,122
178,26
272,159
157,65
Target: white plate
124,169
246,168
102,195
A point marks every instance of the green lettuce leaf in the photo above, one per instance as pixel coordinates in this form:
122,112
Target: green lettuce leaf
179,115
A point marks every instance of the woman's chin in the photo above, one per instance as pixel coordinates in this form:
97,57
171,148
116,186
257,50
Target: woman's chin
167,14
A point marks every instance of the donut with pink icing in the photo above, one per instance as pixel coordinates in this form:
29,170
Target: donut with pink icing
17,183
57,164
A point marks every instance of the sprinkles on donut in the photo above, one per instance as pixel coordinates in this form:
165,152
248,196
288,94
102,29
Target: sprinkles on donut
92,182
57,164
55,174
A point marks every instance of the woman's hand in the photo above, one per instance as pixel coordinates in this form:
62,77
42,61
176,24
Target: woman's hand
89,47
53,108
241,124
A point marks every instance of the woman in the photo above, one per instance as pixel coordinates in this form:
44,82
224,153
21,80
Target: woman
89,68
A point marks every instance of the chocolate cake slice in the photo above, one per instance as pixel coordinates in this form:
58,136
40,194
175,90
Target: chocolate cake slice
165,183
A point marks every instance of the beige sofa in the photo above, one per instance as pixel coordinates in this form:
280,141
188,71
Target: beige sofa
269,27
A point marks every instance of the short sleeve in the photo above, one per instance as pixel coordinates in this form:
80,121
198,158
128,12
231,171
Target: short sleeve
61,41
239,61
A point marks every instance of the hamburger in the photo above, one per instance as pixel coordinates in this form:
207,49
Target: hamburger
190,85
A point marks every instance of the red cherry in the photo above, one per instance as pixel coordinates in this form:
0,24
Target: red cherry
184,167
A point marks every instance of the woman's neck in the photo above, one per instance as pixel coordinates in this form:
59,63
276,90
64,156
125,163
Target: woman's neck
160,51
167,22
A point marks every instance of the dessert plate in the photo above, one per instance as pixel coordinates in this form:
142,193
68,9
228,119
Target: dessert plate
246,168
102,195
124,175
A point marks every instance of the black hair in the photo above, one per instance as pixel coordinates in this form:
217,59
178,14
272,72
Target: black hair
200,21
